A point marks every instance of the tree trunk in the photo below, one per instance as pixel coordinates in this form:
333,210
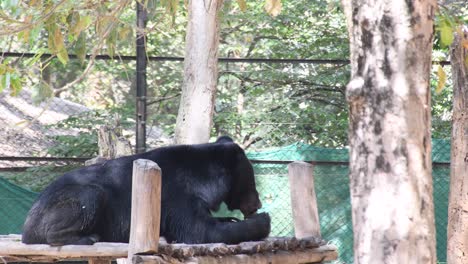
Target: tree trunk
194,119
457,230
389,135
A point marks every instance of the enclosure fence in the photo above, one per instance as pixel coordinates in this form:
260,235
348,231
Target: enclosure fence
331,184
44,136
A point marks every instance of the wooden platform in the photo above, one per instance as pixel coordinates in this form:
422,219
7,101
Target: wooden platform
144,233
271,250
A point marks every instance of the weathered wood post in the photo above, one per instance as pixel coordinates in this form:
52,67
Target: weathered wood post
303,200
146,208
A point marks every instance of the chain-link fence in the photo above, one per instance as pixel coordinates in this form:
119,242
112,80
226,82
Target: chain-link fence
333,195
332,188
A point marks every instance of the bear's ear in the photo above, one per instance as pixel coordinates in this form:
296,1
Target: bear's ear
224,139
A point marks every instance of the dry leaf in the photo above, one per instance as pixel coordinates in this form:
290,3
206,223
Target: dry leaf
242,5
273,7
442,78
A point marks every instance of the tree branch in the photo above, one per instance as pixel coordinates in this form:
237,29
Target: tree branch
161,99
95,51
319,86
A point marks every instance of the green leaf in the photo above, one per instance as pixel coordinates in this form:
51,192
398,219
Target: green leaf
62,55
242,5
125,32
81,24
34,33
442,79
111,42
15,84
5,81
4,68
59,45
102,25
50,39
35,58
151,7
446,28
41,92
25,34
80,48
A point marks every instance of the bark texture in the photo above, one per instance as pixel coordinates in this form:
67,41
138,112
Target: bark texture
457,230
389,135
303,200
146,208
194,119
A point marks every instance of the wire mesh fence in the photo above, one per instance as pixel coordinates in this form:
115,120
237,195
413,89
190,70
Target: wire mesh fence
332,189
333,194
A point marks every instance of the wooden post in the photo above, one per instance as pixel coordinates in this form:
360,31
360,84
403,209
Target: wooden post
146,208
303,200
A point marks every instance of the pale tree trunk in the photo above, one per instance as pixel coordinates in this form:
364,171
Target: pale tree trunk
389,135
457,230
194,119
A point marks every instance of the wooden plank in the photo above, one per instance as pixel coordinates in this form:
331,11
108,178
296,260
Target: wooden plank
11,245
10,237
271,250
313,255
146,208
303,200
110,250
99,261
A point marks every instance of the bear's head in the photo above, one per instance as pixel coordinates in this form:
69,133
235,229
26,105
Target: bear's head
243,194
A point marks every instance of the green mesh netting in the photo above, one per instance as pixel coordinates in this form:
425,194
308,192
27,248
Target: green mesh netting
14,205
332,188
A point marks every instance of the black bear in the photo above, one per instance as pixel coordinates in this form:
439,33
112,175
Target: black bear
92,203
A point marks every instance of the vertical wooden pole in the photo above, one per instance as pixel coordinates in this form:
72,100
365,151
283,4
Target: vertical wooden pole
303,200
146,208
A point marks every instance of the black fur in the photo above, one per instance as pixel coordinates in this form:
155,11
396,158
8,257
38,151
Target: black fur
93,203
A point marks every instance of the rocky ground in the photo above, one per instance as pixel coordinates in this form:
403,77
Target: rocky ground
24,125
25,129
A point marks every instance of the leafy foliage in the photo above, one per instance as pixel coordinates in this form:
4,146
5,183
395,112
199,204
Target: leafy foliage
451,16
9,79
260,104
441,106
274,104
81,27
